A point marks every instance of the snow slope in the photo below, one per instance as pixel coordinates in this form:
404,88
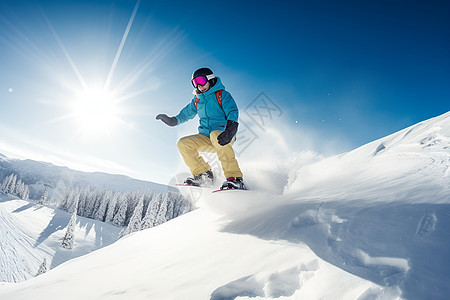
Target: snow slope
187,258
369,224
30,233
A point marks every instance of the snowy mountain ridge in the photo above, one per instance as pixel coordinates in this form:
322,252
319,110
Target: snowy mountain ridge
37,175
368,224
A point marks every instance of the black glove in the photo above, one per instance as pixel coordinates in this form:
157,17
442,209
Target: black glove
230,131
171,121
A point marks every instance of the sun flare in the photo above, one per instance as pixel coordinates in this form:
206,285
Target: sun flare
96,111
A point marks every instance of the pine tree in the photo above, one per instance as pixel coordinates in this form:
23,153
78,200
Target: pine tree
90,204
121,215
4,184
82,202
67,242
152,211
148,196
161,216
99,197
23,188
111,210
26,193
44,196
135,220
132,202
64,202
170,212
18,191
10,184
104,202
73,200
42,268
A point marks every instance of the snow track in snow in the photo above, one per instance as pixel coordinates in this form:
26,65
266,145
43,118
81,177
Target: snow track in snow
18,254
30,233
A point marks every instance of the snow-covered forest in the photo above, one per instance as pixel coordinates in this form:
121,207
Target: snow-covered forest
115,199
140,210
11,185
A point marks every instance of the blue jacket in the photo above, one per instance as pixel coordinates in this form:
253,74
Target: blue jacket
212,116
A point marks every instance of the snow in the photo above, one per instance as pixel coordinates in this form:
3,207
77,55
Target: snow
170,262
369,224
31,233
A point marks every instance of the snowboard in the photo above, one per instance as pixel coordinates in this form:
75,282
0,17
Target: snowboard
190,185
194,186
223,190
208,187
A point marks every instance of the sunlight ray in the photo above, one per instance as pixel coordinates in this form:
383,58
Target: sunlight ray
15,38
66,53
161,50
122,43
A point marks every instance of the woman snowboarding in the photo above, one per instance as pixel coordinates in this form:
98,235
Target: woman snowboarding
218,115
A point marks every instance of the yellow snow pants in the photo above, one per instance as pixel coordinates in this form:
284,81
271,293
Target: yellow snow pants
190,146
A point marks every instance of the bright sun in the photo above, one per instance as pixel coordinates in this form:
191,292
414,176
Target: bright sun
96,111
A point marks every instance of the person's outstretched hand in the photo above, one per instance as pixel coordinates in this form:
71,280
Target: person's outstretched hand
171,121
230,131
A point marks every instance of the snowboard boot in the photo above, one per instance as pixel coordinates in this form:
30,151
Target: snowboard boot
235,183
203,179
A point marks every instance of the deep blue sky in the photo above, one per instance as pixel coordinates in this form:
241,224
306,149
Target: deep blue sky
348,72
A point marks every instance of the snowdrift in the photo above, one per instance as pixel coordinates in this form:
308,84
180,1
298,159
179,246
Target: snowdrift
369,224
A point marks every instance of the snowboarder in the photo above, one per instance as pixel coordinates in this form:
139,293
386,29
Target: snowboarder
218,115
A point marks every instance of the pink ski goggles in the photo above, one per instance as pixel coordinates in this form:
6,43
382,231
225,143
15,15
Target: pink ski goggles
201,80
